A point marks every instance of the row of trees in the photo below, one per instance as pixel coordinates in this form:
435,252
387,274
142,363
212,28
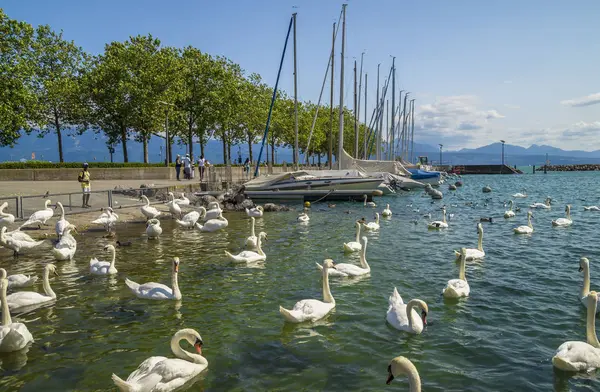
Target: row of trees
50,85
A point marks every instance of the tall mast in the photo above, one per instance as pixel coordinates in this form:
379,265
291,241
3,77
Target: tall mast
377,129
365,154
341,135
296,154
387,124
380,139
362,55
355,115
391,146
412,131
404,118
330,154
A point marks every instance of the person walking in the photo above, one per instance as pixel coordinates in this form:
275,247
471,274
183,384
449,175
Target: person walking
187,167
247,167
84,179
178,166
202,163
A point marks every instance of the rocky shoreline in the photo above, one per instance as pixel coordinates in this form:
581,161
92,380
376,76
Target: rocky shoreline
566,168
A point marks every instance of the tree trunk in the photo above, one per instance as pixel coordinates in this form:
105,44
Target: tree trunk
145,146
59,135
273,151
201,147
224,148
319,159
124,142
250,146
191,142
170,147
229,152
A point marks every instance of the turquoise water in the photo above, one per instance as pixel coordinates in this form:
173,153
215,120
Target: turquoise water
523,304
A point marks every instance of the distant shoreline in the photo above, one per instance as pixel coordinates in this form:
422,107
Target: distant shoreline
563,168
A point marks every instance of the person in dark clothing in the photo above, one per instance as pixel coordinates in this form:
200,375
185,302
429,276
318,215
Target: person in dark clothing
178,166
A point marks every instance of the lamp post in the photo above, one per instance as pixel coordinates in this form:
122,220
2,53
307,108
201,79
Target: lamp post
502,141
441,145
167,149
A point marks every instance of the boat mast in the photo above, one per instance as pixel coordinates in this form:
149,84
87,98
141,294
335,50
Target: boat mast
296,154
377,129
330,154
365,155
355,115
412,132
391,146
387,125
341,135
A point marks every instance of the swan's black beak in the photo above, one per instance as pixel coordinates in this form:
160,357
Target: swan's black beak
580,268
390,376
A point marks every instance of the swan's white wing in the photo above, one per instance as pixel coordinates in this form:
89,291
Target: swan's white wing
14,337
20,236
350,269
143,371
25,298
395,297
155,291
174,373
311,309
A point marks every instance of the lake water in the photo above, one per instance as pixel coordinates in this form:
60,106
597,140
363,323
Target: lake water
523,303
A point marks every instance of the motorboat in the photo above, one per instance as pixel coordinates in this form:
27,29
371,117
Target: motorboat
316,180
425,177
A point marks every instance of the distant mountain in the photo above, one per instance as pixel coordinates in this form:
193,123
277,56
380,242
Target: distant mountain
534,149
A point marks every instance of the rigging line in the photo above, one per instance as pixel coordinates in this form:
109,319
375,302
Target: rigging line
312,128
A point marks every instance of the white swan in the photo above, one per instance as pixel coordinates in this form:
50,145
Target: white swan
107,219
62,223
575,356
153,229
104,267
520,195
564,221
189,220
509,213
6,218
256,212
13,336
398,311
303,217
157,290
18,280
40,217
386,212
174,208
475,254
182,201
214,211
437,225
213,224
591,208
149,211
402,366
17,241
584,266
350,270
161,374
66,247
312,309
372,225
248,256
25,299
354,246
546,205
252,241
368,203
525,229
457,288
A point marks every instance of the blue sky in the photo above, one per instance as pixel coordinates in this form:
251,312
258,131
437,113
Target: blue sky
523,71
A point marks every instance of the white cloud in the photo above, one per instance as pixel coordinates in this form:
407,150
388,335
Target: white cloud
583,129
509,106
588,100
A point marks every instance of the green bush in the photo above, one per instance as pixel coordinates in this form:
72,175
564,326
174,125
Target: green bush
106,165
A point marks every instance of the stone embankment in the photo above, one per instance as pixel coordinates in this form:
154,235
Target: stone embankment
565,168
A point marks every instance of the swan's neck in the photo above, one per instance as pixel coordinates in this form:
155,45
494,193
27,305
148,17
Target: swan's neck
46,204
2,213
114,257
444,218
182,354
586,281
175,284
592,339
569,214
6,320
259,246
358,233
327,297
147,201
62,212
253,232
377,219
529,221
414,380
363,258
409,314
47,288
480,241
461,271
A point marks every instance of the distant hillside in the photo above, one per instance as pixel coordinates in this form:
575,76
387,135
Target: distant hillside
534,149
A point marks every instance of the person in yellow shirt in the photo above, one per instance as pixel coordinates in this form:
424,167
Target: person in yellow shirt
84,179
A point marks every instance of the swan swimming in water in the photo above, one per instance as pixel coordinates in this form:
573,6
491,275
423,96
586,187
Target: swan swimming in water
213,224
398,311
354,246
214,211
25,299
256,212
525,229
402,366
18,280
386,212
157,291
584,266
62,223
161,374
189,220
13,336
303,217
372,226
66,247
509,213
40,217
546,205
252,240
591,208
475,254
153,229
520,195
182,200
104,267
457,288
6,218
436,225
108,218
312,309
149,211
564,221
174,207
248,256
351,270
575,356
368,203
